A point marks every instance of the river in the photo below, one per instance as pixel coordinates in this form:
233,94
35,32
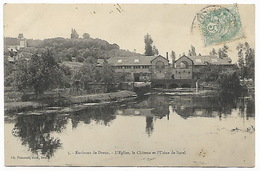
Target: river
155,130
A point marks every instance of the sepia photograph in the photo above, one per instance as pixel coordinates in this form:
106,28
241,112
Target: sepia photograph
154,85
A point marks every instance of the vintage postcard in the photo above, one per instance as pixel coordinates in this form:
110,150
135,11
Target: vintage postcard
129,85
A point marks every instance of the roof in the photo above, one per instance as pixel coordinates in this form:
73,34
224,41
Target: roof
75,65
26,54
8,41
204,60
132,60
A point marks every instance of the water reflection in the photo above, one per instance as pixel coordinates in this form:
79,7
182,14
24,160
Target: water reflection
101,115
149,125
36,131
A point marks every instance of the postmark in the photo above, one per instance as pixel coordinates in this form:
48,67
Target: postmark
219,24
15,132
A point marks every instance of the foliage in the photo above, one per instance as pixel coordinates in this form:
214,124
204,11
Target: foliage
42,72
66,49
150,50
85,36
148,45
223,52
210,73
173,56
192,51
8,72
74,34
155,51
213,52
246,60
229,82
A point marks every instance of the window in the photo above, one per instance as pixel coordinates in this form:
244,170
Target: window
136,60
119,61
145,67
184,64
159,65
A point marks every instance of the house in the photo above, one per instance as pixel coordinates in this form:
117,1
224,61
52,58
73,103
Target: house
141,68
183,68
15,43
158,70
186,67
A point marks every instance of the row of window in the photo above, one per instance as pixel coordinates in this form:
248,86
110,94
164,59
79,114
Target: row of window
134,67
182,71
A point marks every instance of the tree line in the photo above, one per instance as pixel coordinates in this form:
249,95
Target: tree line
43,72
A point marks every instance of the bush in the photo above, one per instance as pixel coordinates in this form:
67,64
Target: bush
229,82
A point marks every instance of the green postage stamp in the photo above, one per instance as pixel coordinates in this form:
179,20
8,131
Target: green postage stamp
219,24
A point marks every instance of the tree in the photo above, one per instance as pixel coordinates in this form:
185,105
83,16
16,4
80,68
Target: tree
209,73
85,36
213,52
155,51
229,82
107,75
249,61
148,45
223,52
42,72
74,34
192,51
173,56
241,61
246,60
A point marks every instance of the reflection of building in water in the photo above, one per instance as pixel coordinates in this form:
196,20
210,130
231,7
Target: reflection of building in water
158,104
152,108
147,113
210,106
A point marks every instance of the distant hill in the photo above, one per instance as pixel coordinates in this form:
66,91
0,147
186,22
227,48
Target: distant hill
74,49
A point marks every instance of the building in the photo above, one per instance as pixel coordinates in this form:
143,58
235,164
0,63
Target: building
12,47
15,43
141,68
161,73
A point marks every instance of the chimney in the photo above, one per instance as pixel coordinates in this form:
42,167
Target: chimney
167,56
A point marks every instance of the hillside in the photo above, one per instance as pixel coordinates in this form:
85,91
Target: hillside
76,49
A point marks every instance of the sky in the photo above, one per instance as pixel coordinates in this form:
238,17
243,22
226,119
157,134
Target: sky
126,25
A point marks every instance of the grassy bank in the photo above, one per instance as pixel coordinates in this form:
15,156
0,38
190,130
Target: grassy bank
21,106
96,98
52,101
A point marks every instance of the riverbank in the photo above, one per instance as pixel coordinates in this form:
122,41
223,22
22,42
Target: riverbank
103,97
19,106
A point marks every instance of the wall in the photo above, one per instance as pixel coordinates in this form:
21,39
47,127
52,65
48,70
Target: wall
183,68
160,66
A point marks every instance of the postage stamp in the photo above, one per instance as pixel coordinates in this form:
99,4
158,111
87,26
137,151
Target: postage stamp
219,24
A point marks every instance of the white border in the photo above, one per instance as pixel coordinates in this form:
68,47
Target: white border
257,121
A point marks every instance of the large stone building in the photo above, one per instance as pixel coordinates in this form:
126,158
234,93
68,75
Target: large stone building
162,73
